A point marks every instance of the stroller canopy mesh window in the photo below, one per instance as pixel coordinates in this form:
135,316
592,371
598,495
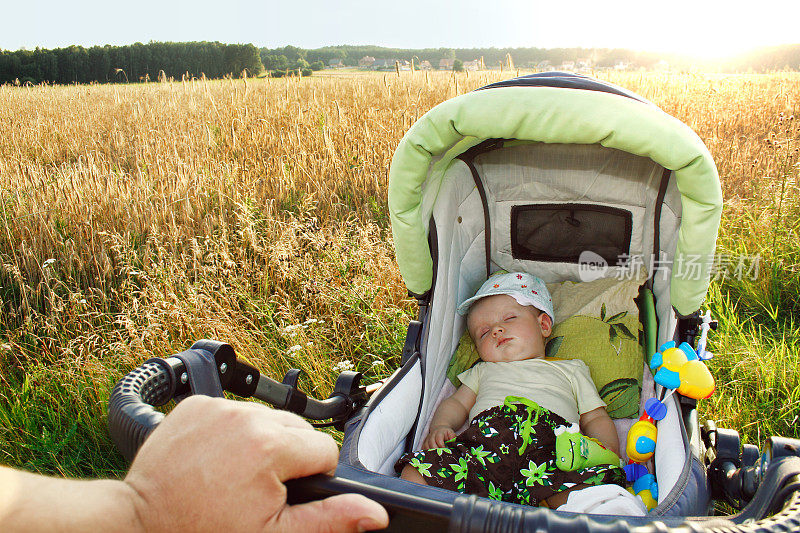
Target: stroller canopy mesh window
564,109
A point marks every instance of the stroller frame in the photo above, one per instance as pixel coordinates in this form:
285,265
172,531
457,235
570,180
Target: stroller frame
733,472
210,367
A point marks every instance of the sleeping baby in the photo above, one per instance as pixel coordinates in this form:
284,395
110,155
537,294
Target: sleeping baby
514,399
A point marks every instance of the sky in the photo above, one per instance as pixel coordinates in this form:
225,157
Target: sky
705,28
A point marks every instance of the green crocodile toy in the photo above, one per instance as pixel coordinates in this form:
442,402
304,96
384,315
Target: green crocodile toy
575,451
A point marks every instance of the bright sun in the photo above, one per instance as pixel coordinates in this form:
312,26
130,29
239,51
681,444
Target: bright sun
706,29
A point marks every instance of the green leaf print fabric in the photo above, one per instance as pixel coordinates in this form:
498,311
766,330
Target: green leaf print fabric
507,453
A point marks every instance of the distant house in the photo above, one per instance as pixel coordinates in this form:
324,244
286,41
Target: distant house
622,65
381,64
544,65
475,64
583,64
366,61
404,65
568,66
661,65
425,65
335,63
446,64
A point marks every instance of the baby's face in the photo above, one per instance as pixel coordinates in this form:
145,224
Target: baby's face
504,330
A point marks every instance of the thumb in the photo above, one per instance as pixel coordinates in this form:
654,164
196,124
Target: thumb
340,513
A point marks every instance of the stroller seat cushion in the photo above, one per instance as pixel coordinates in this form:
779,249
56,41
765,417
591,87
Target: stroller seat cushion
598,323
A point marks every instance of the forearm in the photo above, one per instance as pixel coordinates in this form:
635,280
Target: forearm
602,428
29,502
450,413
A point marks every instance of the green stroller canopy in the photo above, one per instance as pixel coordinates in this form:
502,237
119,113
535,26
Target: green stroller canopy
554,108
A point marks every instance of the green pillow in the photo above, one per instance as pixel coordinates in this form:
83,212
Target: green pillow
598,323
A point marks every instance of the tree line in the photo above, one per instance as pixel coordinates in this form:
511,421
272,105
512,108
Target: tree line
136,62
350,55
492,57
785,57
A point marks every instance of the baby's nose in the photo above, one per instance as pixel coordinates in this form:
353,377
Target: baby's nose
497,329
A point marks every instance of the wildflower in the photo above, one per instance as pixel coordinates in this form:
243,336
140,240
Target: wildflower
48,262
310,321
82,301
292,330
294,349
344,365
377,362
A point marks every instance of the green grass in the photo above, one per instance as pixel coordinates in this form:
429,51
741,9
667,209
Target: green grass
756,368
757,345
53,423
298,309
264,251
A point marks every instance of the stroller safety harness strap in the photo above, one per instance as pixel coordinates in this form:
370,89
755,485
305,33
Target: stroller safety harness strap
662,191
468,157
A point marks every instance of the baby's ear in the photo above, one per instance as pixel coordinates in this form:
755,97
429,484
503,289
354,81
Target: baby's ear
545,324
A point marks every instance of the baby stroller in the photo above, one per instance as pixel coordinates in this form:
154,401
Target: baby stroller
551,174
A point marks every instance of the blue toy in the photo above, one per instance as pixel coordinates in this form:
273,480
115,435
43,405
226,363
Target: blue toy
675,369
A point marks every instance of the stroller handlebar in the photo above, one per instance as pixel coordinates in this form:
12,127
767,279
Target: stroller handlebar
131,407
132,417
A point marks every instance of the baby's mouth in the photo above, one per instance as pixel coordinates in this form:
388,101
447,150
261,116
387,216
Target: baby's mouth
503,341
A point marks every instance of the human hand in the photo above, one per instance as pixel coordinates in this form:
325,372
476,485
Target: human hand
219,465
437,436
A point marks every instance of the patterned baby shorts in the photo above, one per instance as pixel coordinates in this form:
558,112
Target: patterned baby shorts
506,453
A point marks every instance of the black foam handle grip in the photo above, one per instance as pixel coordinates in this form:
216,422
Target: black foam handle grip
474,515
131,416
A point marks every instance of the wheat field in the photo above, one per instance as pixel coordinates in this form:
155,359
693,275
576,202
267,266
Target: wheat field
139,218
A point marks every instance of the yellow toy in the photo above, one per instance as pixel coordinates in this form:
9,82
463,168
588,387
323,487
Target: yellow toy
675,369
642,440
682,370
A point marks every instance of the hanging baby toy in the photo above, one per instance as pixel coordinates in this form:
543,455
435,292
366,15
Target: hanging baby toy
676,369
